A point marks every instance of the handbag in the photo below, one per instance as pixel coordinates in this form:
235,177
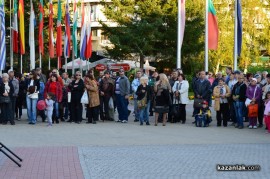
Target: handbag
69,97
85,99
143,102
111,106
253,110
248,101
198,103
4,99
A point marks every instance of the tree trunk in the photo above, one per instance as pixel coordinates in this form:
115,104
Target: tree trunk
141,61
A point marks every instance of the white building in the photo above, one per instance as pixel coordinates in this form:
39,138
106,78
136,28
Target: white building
95,8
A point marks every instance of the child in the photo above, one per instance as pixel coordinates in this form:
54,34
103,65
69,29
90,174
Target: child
203,119
49,102
267,111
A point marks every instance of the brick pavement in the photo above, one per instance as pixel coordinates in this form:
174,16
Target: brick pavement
174,161
43,163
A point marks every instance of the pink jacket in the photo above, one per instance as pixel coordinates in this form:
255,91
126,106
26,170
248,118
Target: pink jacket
267,108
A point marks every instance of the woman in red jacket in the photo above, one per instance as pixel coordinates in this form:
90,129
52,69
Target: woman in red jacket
54,87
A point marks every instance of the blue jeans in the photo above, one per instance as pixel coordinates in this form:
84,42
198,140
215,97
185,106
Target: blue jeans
238,107
136,110
144,113
56,109
31,109
122,107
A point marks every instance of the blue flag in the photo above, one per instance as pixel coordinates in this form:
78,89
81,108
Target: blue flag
239,27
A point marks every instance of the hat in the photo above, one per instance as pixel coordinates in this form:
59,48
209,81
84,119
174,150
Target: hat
257,76
237,72
41,105
10,70
205,102
254,79
107,72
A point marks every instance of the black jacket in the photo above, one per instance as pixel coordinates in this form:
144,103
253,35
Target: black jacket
203,89
241,91
141,95
76,92
2,89
36,83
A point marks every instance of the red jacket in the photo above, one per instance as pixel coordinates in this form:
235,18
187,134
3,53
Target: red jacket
59,91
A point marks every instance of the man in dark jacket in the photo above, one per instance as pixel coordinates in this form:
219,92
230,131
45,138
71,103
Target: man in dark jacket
202,89
239,97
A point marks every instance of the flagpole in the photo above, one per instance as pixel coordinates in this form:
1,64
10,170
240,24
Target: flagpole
58,65
81,65
235,37
21,64
49,63
66,64
40,60
11,44
73,59
178,62
206,37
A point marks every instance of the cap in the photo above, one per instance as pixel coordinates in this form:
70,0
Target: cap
257,76
254,79
205,102
237,72
10,70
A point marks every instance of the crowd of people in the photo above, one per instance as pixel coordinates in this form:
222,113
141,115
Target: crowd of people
238,98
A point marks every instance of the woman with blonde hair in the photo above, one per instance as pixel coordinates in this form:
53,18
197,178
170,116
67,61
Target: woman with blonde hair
93,93
162,89
144,94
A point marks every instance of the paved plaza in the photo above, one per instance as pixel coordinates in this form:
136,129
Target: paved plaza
114,150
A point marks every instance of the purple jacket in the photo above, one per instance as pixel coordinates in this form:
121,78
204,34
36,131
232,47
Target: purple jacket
250,93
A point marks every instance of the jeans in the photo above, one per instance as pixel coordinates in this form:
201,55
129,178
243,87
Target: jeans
31,109
66,109
122,107
238,107
136,110
13,105
56,110
104,108
144,113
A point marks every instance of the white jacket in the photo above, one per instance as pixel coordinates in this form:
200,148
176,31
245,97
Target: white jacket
183,92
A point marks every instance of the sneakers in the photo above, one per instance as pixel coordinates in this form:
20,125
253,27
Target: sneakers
147,123
124,121
250,126
254,127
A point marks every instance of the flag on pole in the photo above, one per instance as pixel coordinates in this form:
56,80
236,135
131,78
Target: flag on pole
2,37
74,28
32,37
59,31
40,32
83,33
15,28
88,49
239,27
67,33
212,27
183,20
51,39
22,35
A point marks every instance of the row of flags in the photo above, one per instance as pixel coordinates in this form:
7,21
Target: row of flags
213,25
86,33
19,34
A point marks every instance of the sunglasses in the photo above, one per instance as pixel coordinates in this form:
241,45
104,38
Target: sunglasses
78,75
